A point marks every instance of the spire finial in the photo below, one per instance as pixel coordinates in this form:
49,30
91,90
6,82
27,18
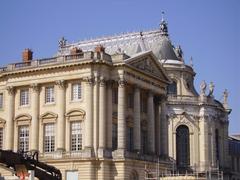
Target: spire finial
163,26
163,13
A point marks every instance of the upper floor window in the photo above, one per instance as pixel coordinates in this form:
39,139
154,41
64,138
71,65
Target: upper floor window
49,94
172,88
24,97
1,100
49,137
76,136
23,138
76,91
1,138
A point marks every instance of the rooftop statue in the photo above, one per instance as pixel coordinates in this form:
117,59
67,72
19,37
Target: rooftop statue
179,51
62,42
211,88
203,87
225,97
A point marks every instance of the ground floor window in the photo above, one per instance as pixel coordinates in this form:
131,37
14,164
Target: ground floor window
71,175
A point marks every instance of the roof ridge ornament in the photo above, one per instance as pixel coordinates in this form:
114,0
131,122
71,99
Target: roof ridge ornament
163,26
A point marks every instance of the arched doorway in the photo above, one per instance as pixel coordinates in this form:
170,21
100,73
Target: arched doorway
183,148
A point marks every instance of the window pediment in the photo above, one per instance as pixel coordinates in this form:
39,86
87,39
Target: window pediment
23,119
48,117
75,114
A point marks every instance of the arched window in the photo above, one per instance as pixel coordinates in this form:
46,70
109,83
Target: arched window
172,88
183,148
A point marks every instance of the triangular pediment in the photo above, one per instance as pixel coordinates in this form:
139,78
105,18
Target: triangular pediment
148,63
49,115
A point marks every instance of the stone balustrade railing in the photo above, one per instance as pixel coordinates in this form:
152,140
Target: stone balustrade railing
57,60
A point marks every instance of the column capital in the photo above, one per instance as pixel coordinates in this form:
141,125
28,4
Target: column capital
102,81
10,90
60,83
122,82
35,87
89,80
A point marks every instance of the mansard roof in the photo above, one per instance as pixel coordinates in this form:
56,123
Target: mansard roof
130,44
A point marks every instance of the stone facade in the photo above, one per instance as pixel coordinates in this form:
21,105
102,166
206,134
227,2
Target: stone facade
115,111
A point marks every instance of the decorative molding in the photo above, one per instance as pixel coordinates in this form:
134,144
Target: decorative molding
10,90
75,114
23,119
35,87
122,82
60,83
102,81
48,117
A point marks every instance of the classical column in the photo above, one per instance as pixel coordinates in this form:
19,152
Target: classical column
121,114
10,116
151,124
157,127
89,114
164,128
203,140
102,114
35,115
109,115
137,120
61,115
96,113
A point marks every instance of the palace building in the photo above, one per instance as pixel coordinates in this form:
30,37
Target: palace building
114,108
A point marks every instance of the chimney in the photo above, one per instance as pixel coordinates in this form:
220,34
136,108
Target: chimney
99,48
75,50
27,55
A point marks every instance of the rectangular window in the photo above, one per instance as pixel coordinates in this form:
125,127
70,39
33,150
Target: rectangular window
49,138
24,97
114,136
238,164
130,139
1,138
72,175
23,138
76,91
1,100
49,94
76,136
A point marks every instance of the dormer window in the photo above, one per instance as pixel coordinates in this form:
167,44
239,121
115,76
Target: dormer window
172,88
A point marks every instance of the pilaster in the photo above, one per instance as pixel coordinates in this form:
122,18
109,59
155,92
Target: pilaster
10,116
35,120
89,115
137,120
61,115
121,114
151,124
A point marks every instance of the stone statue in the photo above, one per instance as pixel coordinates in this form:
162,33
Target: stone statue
211,88
179,51
203,87
62,42
225,97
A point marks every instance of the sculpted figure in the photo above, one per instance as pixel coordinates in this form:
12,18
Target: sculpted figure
203,87
225,96
211,88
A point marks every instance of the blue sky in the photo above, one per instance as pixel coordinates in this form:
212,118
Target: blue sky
209,31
